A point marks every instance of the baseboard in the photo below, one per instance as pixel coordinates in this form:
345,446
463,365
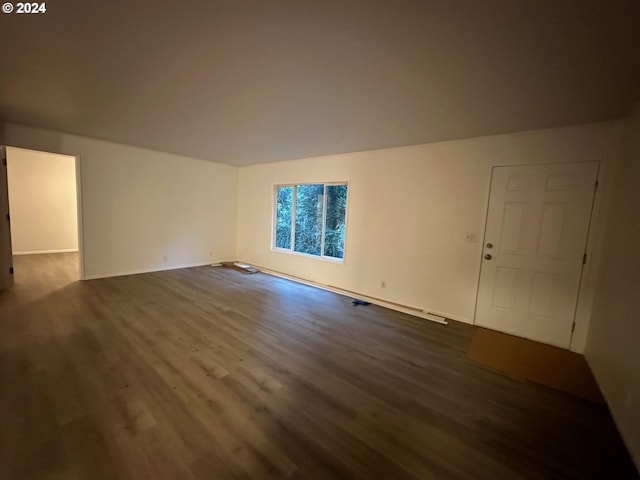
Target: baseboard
40,252
146,270
427,314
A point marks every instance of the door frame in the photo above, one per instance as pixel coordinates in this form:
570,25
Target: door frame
587,271
80,232
6,261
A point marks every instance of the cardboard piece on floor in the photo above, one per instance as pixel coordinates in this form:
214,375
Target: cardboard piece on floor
241,267
521,358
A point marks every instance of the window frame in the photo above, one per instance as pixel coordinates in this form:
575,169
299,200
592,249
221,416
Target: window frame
291,249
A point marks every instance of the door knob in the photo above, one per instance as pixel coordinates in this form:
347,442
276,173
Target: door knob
487,256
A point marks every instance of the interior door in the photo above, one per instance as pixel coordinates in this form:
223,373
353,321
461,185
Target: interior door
535,239
6,258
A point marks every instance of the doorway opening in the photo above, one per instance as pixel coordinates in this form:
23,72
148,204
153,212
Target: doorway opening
44,211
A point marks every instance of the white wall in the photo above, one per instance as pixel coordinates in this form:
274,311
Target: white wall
139,206
613,348
42,201
408,211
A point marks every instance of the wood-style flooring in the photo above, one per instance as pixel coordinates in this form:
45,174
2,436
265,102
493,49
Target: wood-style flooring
207,373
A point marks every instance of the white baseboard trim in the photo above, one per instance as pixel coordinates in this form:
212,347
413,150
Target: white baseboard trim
450,316
146,270
40,252
425,313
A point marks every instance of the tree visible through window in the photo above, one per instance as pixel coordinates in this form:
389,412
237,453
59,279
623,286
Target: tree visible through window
310,219
284,206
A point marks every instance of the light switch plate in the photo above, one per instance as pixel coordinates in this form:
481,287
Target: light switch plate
470,237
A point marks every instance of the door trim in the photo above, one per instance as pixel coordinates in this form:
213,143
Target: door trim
587,253
81,274
6,250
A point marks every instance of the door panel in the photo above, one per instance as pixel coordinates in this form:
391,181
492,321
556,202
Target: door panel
6,258
536,233
552,230
506,280
513,222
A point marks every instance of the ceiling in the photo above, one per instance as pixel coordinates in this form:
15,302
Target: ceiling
251,81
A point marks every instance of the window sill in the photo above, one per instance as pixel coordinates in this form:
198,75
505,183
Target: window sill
337,261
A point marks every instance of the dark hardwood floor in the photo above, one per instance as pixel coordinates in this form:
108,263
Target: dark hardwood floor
208,373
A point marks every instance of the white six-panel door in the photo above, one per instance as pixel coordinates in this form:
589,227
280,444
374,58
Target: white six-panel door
535,238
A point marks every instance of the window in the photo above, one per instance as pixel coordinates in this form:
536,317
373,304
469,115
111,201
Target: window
310,219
